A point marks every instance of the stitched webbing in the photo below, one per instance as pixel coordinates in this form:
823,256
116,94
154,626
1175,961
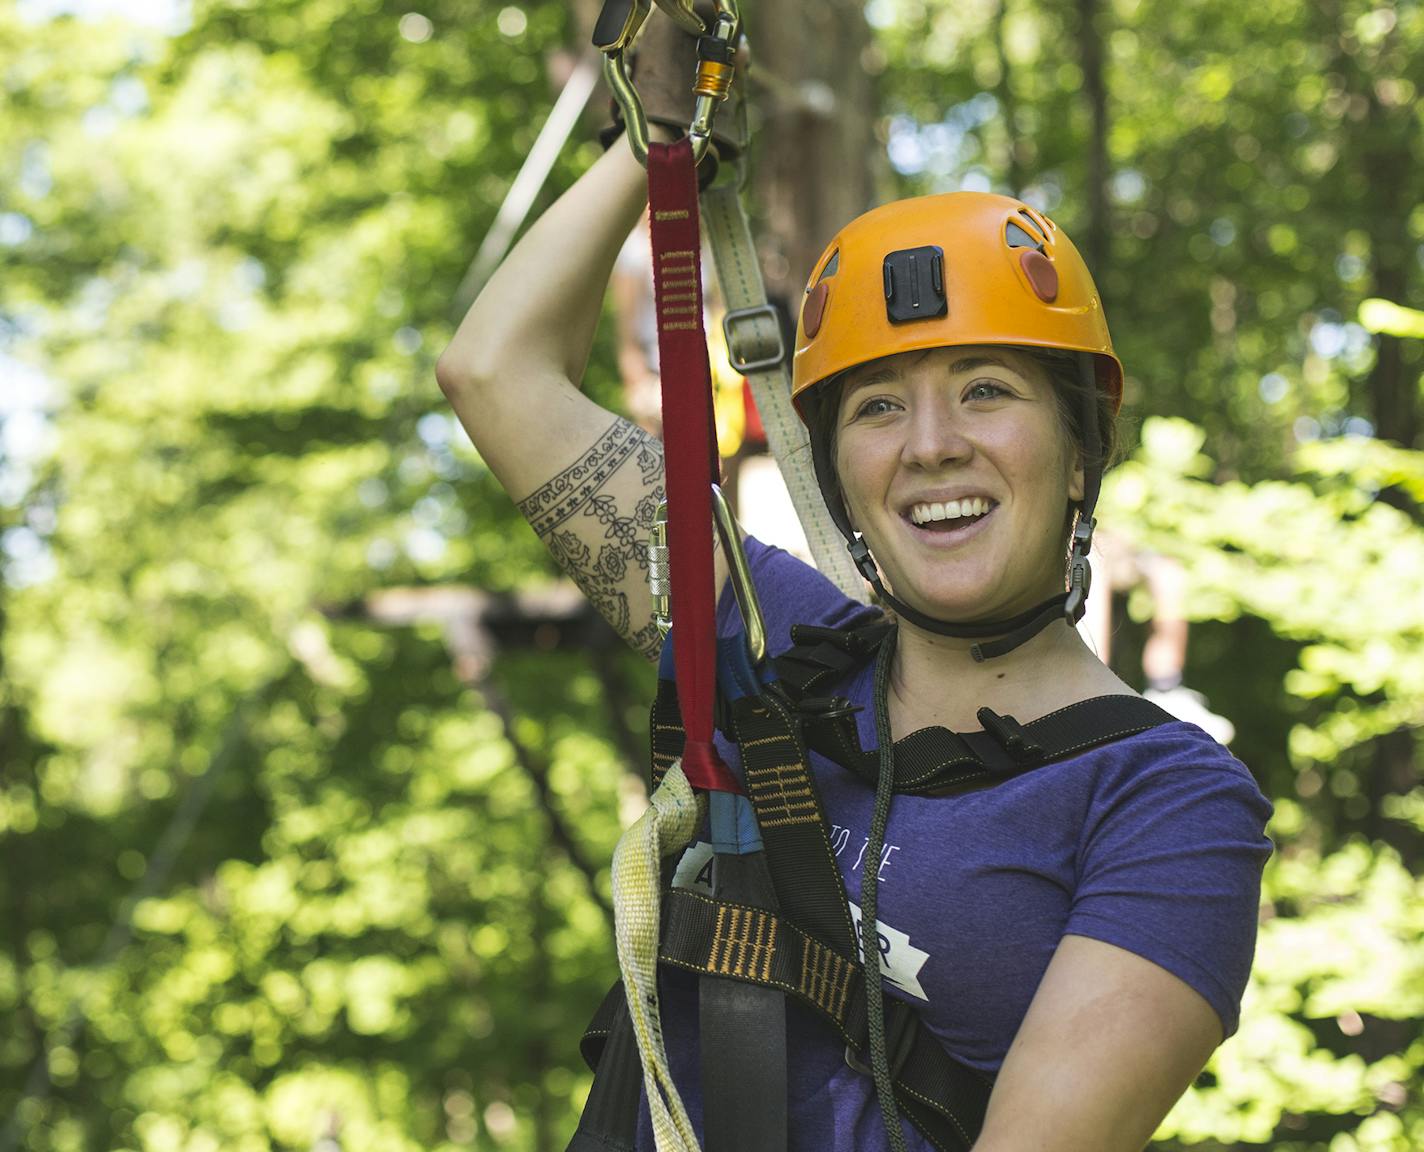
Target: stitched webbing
944,1098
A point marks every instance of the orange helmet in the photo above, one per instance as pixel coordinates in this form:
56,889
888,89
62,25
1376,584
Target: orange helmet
938,271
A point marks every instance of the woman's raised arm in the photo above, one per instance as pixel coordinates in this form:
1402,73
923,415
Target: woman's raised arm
587,481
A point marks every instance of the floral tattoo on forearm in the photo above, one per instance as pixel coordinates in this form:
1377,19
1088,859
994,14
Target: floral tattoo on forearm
574,495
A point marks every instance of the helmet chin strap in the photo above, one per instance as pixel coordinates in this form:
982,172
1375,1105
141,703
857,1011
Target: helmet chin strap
1011,633
1070,605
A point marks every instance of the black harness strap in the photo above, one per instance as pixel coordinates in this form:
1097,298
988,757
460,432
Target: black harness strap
702,934
937,762
609,1122
742,1027
793,827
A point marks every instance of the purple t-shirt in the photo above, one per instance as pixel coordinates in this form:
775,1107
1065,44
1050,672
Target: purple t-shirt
1154,843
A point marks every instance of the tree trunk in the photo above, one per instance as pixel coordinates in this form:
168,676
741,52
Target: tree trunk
1097,246
815,149
1389,161
1008,106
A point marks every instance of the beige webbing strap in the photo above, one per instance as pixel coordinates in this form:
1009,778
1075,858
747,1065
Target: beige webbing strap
673,817
755,347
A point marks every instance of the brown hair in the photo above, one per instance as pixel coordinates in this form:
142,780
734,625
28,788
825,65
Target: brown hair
1070,390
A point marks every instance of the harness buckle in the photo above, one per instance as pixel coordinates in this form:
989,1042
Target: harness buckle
1012,735
828,707
748,335
902,1028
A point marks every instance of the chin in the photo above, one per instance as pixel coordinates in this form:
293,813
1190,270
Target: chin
967,606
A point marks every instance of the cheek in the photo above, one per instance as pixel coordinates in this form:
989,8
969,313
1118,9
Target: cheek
855,473
845,476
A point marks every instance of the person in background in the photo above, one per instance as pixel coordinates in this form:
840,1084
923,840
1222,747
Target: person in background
1118,567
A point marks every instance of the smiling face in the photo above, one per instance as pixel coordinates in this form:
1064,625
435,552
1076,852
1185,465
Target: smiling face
955,466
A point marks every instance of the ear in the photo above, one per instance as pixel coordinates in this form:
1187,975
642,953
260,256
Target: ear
1075,479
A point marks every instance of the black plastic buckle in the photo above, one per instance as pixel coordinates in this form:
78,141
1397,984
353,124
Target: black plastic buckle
827,707
745,366
860,552
1080,571
902,1026
1011,735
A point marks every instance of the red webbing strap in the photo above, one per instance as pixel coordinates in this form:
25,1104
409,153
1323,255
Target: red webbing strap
689,451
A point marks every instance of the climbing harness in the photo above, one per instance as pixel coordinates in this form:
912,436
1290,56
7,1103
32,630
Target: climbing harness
797,938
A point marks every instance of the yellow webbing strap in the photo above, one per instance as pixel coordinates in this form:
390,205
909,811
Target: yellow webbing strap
756,334
673,817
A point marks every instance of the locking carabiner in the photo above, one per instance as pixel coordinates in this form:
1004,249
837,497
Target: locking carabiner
618,26
728,531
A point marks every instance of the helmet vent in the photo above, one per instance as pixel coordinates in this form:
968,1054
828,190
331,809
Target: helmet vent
1018,238
1041,224
833,266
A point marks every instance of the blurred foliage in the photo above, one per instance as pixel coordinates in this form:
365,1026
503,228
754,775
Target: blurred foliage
271,873
1333,1022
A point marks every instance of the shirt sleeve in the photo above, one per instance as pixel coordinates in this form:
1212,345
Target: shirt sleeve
1170,866
790,592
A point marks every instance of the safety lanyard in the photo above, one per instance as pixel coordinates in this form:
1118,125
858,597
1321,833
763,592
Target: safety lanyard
689,450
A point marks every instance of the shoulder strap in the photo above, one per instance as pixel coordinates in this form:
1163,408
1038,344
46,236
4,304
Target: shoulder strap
936,761
820,657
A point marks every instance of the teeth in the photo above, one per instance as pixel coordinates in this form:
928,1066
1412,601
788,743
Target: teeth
950,510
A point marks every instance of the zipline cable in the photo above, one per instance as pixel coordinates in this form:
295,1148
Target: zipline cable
532,174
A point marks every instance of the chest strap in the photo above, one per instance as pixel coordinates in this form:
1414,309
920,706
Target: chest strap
935,761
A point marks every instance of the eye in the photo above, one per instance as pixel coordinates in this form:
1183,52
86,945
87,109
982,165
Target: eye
985,390
875,406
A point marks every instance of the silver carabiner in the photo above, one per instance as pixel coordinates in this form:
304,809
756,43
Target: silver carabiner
729,533
741,574
618,26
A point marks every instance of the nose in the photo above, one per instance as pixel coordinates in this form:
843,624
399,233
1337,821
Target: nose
935,436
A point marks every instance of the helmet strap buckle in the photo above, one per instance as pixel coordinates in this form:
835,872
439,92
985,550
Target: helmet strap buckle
860,552
1080,573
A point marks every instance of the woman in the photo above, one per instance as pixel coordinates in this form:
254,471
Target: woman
1083,931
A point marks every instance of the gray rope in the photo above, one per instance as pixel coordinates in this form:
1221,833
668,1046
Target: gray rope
869,900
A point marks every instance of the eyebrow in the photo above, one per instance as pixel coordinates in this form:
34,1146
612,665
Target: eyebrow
888,375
